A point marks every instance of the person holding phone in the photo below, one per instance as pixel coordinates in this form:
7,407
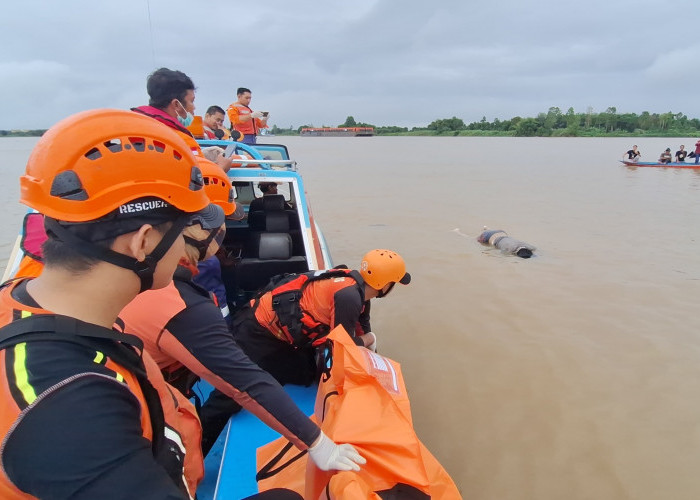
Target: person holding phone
245,120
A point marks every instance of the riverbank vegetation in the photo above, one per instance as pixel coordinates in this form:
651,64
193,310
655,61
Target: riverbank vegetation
553,123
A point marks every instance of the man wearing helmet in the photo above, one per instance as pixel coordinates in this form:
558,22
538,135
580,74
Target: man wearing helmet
117,189
280,327
84,411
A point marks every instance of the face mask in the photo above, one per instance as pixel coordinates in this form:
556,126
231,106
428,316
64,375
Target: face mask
188,119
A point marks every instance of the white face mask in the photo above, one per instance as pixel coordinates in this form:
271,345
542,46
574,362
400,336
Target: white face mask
188,119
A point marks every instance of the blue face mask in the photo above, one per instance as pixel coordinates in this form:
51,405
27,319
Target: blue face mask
188,119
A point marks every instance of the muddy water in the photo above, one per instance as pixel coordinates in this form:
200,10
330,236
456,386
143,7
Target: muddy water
574,374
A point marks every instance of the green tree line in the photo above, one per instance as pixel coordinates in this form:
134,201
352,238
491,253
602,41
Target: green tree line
553,123
22,133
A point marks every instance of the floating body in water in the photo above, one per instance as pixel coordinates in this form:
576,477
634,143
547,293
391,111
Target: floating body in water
500,239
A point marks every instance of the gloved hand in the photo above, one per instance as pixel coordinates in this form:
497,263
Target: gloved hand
256,114
330,456
373,345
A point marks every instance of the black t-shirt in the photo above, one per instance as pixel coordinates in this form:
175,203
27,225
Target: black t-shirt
680,155
632,154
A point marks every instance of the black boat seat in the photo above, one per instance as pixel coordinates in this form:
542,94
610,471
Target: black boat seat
275,222
274,256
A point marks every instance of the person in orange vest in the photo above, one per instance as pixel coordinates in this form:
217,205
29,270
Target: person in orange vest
171,102
84,413
245,120
280,327
213,122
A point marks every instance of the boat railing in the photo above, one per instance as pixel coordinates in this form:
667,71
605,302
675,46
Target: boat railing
266,164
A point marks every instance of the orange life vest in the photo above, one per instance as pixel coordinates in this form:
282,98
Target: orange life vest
294,320
196,128
179,415
29,268
362,400
249,127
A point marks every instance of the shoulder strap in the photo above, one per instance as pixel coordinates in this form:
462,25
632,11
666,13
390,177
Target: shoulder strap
274,282
56,324
337,272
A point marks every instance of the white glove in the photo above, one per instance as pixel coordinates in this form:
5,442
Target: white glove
330,456
256,114
373,345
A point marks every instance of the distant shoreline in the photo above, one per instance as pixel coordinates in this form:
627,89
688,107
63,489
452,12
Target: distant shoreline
493,133
22,133
452,133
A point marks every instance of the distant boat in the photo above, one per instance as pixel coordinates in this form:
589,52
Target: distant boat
337,131
657,164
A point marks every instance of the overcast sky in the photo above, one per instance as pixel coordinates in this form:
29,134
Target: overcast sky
386,62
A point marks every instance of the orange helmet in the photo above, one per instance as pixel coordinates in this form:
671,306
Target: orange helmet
92,163
381,267
217,185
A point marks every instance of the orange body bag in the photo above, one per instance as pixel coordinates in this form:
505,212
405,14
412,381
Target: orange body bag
363,402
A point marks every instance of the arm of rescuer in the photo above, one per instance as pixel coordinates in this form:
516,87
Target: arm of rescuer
350,311
84,441
199,338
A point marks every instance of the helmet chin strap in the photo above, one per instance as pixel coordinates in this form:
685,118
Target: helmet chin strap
144,269
203,245
382,293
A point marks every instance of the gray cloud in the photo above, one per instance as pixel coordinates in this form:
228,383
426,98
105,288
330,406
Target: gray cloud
385,61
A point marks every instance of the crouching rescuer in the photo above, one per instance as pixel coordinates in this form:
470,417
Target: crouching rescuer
281,326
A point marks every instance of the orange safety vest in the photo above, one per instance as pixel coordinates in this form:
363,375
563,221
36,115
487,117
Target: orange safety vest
179,415
250,127
362,400
298,318
196,128
29,268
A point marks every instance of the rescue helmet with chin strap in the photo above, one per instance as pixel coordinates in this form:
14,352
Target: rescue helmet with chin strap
217,185
380,267
92,163
99,174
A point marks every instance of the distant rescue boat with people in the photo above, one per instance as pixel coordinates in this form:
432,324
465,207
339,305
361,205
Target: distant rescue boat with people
659,164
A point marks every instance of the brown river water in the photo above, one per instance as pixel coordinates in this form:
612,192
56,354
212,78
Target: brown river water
571,375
